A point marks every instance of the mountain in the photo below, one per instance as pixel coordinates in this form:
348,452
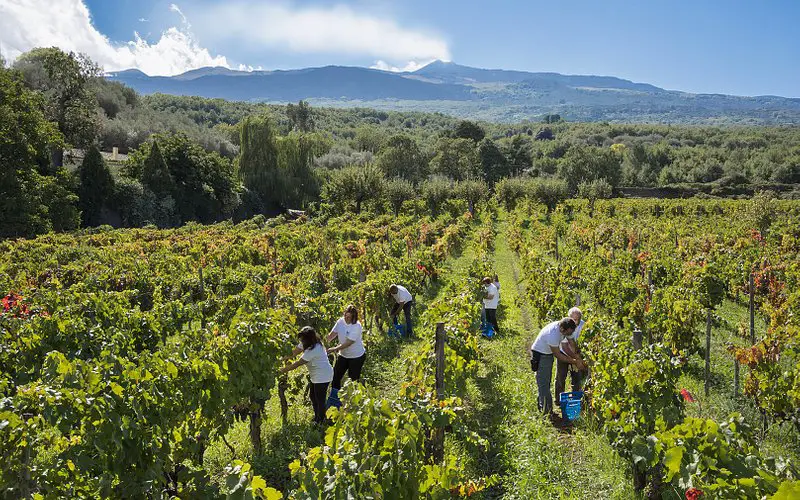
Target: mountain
448,72
489,94
329,82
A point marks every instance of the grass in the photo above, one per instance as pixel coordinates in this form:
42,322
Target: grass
531,457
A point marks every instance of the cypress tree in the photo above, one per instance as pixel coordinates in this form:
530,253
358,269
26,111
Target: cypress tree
96,186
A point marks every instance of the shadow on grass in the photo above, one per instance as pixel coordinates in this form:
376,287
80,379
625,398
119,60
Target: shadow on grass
490,417
281,449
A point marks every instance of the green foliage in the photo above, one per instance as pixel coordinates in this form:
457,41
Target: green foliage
31,202
96,186
469,130
369,138
356,185
494,164
155,172
509,191
457,159
471,191
258,161
519,154
548,192
585,164
598,189
436,191
301,116
761,211
201,184
398,191
65,81
401,157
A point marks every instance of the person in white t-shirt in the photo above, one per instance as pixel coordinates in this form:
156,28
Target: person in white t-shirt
490,302
350,348
320,370
569,346
544,349
403,300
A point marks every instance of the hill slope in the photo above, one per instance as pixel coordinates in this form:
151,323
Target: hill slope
491,94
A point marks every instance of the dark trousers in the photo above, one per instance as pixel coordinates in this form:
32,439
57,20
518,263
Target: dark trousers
543,377
319,393
491,318
575,378
351,366
407,312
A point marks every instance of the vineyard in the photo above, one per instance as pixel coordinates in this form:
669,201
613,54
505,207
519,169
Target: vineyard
143,363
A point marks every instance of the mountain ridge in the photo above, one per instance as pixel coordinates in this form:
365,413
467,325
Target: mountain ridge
493,94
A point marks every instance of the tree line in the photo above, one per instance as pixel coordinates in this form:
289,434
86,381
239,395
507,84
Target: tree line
205,160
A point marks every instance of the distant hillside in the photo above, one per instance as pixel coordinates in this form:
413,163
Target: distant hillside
489,94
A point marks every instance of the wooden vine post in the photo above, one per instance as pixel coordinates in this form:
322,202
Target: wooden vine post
735,378
438,438
708,353
637,338
752,311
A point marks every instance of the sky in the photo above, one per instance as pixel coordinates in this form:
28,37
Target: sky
703,46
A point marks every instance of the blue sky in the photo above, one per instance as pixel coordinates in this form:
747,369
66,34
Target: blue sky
732,47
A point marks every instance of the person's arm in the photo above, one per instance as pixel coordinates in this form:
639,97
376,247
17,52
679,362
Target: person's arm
563,357
294,354
347,343
332,335
293,366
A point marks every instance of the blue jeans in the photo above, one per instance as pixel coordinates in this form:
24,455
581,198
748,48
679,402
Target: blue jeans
544,377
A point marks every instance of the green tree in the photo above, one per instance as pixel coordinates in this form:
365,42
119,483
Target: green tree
457,159
510,190
301,116
469,130
398,191
472,191
202,185
65,81
493,162
355,184
155,173
585,163
518,153
30,203
369,138
296,177
548,192
436,191
401,157
760,211
96,187
258,158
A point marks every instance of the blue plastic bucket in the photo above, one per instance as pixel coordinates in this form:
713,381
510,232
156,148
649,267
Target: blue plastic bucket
397,330
570,403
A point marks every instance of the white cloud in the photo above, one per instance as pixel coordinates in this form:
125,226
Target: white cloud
25,24
337,29
409,67
174,8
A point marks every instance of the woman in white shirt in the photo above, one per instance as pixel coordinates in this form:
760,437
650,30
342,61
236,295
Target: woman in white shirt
320,370
350,348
